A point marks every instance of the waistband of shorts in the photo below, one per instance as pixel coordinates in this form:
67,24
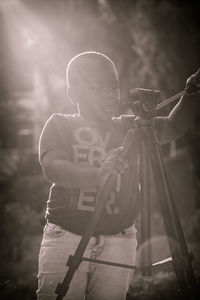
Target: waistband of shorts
126,232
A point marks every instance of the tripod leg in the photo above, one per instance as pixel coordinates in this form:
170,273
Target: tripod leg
144,186
180,235
75,260
180,256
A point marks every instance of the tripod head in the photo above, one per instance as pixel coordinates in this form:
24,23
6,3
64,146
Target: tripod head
143,102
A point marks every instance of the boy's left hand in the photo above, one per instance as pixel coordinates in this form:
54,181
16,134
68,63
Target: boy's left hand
115,163
192,86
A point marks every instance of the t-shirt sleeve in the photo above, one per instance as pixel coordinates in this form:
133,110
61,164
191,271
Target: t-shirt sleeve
52,137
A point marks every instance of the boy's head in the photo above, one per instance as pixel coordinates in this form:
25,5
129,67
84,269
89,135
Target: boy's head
92,83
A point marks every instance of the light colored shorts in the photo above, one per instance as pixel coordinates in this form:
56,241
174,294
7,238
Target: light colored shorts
91,281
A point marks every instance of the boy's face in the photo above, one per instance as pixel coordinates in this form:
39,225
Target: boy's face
99,94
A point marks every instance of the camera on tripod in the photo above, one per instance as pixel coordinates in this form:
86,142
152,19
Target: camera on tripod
143,102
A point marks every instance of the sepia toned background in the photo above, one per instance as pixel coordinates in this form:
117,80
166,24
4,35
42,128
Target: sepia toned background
154,44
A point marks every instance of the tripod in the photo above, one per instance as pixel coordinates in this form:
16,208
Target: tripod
150,157
181,258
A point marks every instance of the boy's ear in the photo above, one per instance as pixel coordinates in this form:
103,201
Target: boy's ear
72,95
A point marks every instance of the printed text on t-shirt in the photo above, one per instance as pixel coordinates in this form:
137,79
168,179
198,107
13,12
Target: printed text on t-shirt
90,150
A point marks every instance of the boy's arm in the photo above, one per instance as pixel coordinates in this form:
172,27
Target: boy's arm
181,117
178,121
59,169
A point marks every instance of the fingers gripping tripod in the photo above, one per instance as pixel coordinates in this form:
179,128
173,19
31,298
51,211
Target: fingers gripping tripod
150,158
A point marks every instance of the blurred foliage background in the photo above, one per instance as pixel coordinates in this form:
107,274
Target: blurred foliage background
154,44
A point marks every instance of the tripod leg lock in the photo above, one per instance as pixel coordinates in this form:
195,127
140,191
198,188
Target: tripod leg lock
69,261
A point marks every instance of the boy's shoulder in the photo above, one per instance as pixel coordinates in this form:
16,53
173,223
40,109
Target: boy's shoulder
60,121
60,117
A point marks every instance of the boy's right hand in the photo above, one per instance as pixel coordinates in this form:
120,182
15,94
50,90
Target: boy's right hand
193,84
115,163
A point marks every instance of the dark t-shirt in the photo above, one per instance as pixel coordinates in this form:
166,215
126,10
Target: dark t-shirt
87,143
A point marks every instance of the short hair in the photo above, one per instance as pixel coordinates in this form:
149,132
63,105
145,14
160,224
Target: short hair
83,63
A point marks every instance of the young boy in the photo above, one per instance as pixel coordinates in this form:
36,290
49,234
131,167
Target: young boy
77,152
